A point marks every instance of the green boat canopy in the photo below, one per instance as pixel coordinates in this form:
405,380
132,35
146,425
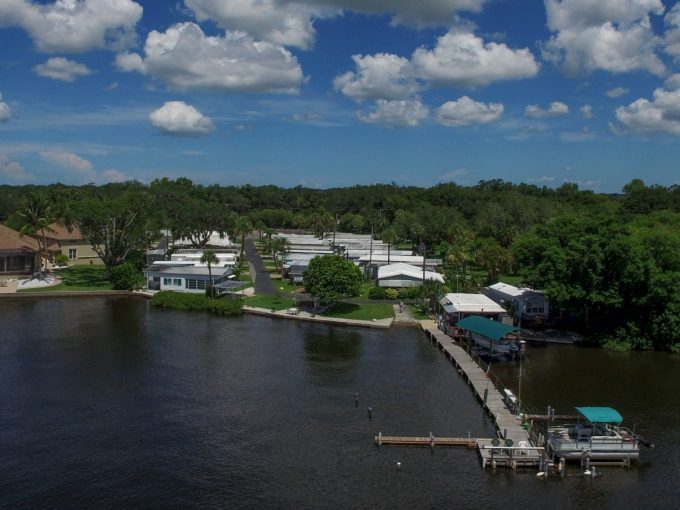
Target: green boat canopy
600,414
486,327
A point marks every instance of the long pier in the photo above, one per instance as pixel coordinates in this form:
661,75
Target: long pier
512,447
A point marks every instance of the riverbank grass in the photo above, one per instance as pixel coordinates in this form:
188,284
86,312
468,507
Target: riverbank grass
197,302
78,279
270,302
362,312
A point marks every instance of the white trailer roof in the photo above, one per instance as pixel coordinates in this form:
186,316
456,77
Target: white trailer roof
392,271
470,303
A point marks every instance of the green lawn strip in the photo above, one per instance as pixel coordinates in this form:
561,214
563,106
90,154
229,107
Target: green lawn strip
78,278
364,311
511,279
418,313
269,302
285,287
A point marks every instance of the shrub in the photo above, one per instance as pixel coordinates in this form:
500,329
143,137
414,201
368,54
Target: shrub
376,293
60,260
125,277
185,301
391,293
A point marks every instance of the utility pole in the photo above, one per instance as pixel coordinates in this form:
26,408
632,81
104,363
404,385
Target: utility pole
335,228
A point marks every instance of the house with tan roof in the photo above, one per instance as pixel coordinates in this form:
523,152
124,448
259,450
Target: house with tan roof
18,254
70,242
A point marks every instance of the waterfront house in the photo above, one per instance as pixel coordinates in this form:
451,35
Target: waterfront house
19,255
402,275
182,277
370,263
62,240
528,306
456,306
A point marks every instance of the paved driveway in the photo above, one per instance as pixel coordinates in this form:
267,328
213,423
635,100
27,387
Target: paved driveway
261,281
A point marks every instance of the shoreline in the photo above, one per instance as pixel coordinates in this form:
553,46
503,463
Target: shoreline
74,293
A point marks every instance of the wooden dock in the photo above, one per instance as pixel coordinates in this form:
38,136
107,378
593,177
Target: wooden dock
425,441
516,448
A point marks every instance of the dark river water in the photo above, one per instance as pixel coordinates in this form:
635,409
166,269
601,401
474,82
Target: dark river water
108,403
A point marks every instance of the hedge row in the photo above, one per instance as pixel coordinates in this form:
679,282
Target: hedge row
184,301
387,293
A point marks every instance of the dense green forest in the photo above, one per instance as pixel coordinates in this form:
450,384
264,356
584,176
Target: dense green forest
609,263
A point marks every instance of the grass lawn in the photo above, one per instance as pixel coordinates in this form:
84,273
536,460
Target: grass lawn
78,278
418,313
286,287
365,312
275,302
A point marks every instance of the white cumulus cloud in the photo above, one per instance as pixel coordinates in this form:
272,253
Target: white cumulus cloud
112,175
179,118
609,35
460,58
67,160
380,76
63,69
74,26
466,112
672,36
396,114
186,58
617,92
555,109
291,22
660,115
5,111
586,111
12,172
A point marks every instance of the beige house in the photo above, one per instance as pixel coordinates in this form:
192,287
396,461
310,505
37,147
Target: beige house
18,254
71,244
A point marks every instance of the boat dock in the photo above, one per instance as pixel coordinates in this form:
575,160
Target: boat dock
512,448
426,441
509,425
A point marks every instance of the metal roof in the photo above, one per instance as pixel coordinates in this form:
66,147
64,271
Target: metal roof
230,285
401,269
486,327
470,303
600,414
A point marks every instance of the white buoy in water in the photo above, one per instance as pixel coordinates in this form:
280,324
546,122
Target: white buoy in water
398,465
540,474
587,472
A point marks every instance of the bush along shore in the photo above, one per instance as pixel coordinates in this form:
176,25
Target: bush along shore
197,302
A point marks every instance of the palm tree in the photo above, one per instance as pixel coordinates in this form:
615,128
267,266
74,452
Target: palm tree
210,258
279,246
389,236
38,217
242,227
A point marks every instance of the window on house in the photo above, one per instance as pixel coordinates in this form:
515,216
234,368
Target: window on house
167,281
177,282
72,254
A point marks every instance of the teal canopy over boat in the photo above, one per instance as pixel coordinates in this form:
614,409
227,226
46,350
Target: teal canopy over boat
600,414
486,327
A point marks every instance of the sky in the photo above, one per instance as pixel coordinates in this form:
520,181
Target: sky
329,93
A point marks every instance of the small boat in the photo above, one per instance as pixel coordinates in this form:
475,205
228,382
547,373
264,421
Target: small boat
497,348
598,436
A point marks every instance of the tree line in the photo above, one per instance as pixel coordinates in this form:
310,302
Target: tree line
610,263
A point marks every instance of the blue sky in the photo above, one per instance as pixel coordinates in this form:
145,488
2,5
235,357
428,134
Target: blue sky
318,93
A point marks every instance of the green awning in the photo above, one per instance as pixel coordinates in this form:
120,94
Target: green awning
486,327
600,414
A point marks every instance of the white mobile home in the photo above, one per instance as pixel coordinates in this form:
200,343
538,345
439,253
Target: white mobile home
401,275
184,278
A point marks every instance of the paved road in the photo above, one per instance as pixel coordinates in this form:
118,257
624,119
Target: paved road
261,281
